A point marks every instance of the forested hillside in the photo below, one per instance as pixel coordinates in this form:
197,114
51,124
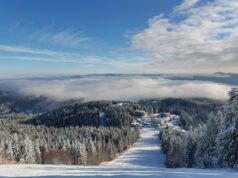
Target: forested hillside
82,133
193,112
17,105
218,143
95,113
70,145
72,132
210,145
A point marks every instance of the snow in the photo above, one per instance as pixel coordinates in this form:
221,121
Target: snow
143,153
161,120
101,119
141,111
144,159
119,104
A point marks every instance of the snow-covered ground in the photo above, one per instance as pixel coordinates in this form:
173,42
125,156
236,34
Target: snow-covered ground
144,160
143,153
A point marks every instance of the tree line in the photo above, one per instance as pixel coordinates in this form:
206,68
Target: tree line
211,145
69,135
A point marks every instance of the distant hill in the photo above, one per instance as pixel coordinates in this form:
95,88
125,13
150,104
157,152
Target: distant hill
89,114
193,111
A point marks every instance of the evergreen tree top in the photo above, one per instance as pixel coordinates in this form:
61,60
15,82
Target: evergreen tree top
233,93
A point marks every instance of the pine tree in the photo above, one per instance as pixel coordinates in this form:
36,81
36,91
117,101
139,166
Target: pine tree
228,134
206,155
9,155
83,154
38,152
30,156
190,146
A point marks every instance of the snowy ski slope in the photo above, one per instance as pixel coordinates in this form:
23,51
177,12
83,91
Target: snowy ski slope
144,160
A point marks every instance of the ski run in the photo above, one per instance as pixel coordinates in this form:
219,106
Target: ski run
143,159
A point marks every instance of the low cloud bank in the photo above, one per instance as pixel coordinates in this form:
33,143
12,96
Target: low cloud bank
126,88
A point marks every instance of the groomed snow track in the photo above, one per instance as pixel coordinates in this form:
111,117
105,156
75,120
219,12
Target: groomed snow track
144,159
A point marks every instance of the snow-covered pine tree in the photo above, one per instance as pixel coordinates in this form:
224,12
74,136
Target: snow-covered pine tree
30,154
228,134
83,154
190,146
206,155
9,155
38,152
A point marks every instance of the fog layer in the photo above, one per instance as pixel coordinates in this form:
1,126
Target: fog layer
129,88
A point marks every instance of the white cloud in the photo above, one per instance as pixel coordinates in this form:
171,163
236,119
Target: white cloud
197,37
204,40
42,55
88,61
119,88
186,4
27,50
67,37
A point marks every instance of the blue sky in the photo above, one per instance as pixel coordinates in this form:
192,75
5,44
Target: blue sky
109,36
